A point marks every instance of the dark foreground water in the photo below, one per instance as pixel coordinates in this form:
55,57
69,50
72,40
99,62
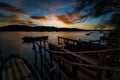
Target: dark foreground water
11,42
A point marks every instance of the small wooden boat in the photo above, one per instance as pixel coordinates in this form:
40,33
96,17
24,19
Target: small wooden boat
89,33
18,69
31,39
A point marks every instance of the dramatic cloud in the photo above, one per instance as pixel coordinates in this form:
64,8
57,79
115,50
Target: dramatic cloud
39,18
68,18
12,18
10,8
56,13
3,16
41,12
44,7
63,20
15,17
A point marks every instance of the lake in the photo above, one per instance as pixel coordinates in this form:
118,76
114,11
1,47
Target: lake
12,43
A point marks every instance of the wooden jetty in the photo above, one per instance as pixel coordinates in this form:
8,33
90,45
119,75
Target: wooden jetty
16,68
78,60
78,45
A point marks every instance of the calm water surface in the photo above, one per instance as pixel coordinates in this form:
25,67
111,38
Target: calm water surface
11,42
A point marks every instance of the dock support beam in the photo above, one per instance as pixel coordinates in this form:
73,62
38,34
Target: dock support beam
101,73
74,73
58,41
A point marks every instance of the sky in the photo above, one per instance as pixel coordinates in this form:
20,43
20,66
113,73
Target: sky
57,13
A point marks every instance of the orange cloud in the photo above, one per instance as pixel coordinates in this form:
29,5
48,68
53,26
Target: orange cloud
68,18
15,17
10,18
41,18
28,22
63,20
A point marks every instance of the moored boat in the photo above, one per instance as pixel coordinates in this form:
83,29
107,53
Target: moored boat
89,33
31,39
18,69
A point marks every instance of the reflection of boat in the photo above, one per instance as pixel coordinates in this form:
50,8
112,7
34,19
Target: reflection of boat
17,68
30,39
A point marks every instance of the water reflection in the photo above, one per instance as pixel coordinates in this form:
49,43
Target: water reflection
11,42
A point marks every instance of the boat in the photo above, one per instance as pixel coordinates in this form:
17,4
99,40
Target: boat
31,39
89,33
17,68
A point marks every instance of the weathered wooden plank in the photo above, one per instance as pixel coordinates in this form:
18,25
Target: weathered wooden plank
83,57
98,67
107,51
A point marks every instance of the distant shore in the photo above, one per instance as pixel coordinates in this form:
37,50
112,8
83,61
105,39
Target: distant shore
40,28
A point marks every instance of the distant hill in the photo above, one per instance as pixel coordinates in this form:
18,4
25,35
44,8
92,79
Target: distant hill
37,28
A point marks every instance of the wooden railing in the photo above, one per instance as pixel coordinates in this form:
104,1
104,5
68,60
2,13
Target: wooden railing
60,56
46,58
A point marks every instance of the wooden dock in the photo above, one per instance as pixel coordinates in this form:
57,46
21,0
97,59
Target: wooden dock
78,60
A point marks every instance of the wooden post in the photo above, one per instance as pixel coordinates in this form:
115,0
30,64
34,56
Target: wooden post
41,58
99,44
44,51
67,41
51,62
90,44
73,42
64,41
0,51
59,63
58,41
1,57
40,52
74,73
101,73
34,47
35,63
40,49
52,75
51,56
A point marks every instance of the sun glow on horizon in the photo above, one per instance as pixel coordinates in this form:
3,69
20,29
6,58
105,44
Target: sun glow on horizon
54,23
63,20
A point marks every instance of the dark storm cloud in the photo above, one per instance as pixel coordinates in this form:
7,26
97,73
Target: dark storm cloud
10,8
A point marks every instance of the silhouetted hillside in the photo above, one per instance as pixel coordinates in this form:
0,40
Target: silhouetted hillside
37,28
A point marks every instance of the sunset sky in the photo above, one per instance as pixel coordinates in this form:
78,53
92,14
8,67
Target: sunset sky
58,13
